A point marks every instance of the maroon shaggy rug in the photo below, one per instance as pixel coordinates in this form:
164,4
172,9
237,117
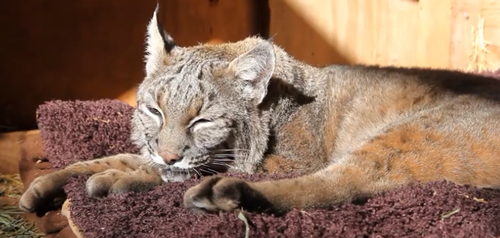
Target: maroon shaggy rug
81,130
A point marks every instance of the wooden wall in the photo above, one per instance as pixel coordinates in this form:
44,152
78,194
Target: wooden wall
78,49
425,33
93,49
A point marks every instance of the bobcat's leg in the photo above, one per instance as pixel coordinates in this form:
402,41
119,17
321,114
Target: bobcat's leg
119,173
404,154
337,183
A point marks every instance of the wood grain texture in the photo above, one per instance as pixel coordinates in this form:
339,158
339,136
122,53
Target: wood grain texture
191,22
467,15
91,49
82,49
297,26
425,33
17,145
434,33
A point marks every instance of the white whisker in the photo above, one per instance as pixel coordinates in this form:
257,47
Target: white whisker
210,169
225,155
231,150
197,172
223,160
206,171
226,151
228,156
223,164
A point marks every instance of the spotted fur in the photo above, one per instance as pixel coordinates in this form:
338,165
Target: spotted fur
354,131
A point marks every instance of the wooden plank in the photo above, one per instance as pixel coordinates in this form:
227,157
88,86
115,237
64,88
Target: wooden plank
92,49
468,35
15,145
465,16
490,13
379,32
306,30
434,33
426,33
191,22
79,49
402,36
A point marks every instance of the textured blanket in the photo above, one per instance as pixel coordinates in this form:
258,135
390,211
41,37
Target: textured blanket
82,130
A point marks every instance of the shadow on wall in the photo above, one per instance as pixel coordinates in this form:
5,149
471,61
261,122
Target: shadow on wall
299,36
90,49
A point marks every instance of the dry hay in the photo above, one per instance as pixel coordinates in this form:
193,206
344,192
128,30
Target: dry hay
11,223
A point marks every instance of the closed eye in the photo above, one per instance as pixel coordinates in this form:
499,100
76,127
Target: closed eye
154,111
198,123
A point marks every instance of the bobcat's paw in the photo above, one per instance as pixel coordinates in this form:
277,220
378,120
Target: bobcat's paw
108,182
114,181
215,194
44,194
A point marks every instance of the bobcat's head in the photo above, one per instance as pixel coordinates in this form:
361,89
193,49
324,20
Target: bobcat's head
198,106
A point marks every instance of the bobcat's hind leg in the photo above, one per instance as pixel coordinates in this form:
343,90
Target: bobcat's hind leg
46,192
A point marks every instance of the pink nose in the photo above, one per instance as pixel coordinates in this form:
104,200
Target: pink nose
169,157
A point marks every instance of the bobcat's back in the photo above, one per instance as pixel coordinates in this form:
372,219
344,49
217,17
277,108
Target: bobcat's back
416,124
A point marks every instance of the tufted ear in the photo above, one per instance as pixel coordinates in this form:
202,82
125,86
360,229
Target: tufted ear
255,67
159,44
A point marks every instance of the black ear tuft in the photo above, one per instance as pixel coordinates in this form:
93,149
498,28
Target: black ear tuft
159,44
167,39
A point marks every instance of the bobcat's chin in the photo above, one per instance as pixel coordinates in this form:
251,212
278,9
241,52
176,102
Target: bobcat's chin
169,175
181,173
216,161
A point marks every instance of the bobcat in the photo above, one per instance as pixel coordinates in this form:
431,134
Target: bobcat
352,131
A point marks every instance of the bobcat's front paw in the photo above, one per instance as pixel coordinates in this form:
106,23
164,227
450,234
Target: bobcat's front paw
103,183
114,181
45,193
216,194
